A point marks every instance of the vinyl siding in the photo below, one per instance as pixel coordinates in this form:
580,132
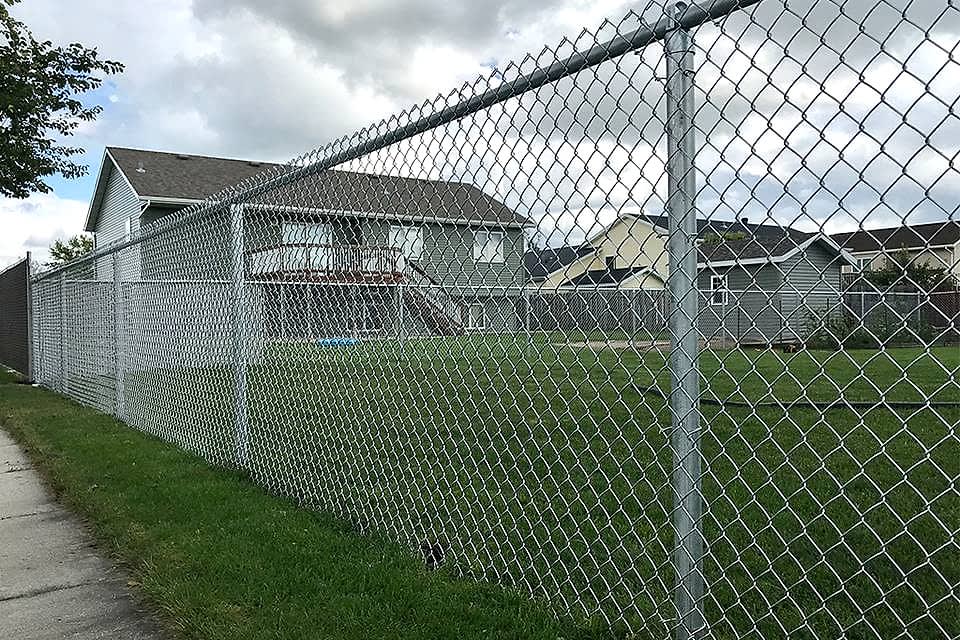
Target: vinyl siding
448,257
811,287
119,204
752,311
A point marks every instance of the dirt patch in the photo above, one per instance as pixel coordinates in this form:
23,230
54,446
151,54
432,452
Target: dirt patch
637,345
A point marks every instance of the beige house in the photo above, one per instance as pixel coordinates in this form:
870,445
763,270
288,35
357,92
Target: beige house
936,244
630,253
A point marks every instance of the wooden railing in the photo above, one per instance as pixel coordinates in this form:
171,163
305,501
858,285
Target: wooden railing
325,258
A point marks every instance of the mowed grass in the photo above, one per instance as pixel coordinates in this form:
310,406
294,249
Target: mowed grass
545,466
218,557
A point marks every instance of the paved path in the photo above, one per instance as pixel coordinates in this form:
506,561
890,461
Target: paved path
53,583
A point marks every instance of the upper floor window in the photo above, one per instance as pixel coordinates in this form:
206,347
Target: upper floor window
488,246
307,233
864,263
408,239
719,292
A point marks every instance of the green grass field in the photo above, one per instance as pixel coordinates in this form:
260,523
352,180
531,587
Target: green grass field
546,467
218,558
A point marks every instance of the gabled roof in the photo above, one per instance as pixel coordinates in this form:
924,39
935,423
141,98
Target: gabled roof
185,179
723,244
725,241
539,263
905,237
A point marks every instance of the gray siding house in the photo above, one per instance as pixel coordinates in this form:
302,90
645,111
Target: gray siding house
338,254
758,283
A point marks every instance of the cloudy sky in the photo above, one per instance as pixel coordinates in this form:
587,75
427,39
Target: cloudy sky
829,113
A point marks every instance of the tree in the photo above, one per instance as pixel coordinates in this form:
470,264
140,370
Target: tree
902,269
63,252
40,86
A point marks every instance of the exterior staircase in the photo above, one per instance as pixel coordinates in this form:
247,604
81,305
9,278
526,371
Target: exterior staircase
427,300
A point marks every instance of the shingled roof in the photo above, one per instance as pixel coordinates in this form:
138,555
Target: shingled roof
905,237
539,263
188,178
723,241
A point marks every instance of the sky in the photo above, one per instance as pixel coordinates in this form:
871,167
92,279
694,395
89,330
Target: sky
823,114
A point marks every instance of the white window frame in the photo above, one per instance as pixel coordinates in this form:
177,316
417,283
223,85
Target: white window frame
481,252
864,264
719,284
483,316
400,238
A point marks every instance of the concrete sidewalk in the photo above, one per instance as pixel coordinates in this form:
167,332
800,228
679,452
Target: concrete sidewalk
53,583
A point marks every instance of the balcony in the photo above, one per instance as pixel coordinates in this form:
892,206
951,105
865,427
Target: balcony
327,262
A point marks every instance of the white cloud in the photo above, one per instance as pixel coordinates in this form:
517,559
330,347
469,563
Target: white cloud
268,80
34,223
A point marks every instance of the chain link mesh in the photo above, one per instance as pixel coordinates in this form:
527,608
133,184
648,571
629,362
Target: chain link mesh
460,335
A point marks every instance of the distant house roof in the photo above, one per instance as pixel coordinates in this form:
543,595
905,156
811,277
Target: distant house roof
723,241
905,237
184,179
539,263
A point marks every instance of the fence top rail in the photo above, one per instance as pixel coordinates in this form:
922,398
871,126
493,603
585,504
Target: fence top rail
680,15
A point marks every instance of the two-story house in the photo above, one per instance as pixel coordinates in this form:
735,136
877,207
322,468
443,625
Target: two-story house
337,254
936,244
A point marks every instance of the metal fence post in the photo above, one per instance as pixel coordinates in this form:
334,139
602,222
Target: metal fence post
118,338
31,358
237,311
62,289
685,392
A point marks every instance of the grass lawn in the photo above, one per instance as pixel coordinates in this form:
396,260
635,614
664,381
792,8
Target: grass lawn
220,558
547,467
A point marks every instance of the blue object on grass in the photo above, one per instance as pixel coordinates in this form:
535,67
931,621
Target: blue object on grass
337,342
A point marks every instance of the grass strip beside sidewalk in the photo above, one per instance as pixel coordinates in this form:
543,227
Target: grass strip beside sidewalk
221,558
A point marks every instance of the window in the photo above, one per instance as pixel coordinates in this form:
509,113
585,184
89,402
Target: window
864,263
718,290
306,233
488,246
128,227
408,239
476,316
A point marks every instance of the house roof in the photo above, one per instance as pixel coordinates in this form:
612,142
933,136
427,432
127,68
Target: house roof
723,243
184,178
539,263
757,241
904,237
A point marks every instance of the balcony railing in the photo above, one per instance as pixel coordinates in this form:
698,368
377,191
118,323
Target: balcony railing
325,259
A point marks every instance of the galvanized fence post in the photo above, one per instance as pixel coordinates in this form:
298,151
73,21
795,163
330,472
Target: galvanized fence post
237,310
31,371
118,338
62,290
685,392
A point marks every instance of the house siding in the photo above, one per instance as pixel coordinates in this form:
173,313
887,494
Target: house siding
120,204
812,287
448,257
752,311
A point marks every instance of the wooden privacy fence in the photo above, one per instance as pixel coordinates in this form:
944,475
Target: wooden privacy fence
15,317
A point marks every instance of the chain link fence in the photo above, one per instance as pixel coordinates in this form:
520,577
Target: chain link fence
549,329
